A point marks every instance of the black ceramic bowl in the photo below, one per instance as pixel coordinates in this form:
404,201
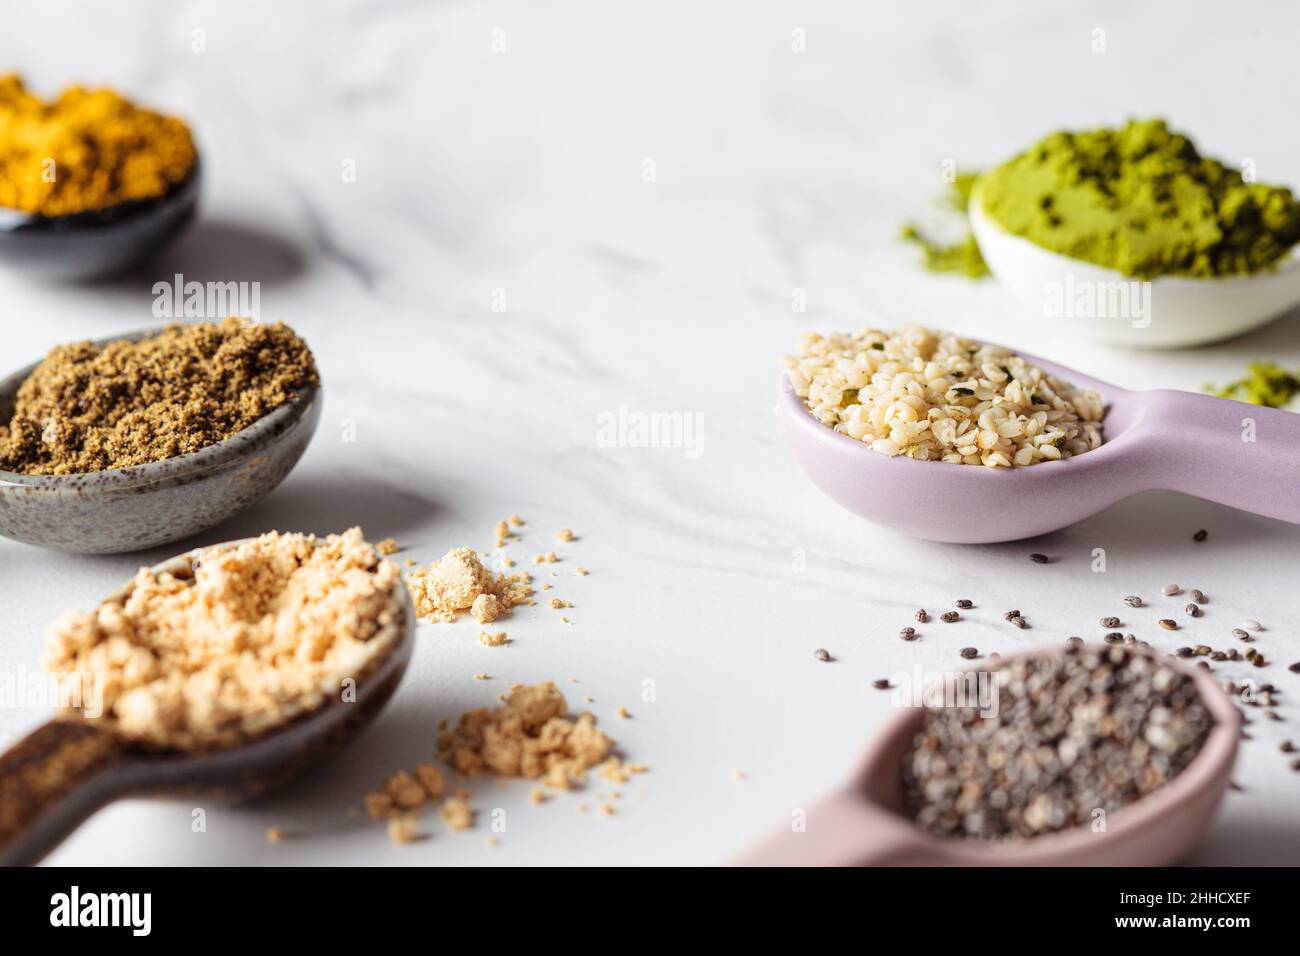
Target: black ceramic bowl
89,245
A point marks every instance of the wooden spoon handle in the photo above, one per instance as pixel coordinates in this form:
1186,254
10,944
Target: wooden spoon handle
50,782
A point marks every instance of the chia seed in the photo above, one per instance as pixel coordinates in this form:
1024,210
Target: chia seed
1064,769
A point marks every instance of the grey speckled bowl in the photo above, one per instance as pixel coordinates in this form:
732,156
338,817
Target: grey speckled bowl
130,509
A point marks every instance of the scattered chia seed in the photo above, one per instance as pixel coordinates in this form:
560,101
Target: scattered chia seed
922,616
1011,615
1198,596
1169,590
965,604
1286,747
1252,625
969,652
1193,610
1218,656
1184,652
1168,625
1039,558
1294,668
1020,622
908,633
882,684
949,616
1110,622
822,654
1200,536
1241,635
1133,601
1074,643
1114,637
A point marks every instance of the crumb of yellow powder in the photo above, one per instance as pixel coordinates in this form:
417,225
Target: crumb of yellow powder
457,813
457,581
402,830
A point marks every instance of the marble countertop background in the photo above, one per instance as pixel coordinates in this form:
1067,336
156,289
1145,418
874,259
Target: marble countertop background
563,210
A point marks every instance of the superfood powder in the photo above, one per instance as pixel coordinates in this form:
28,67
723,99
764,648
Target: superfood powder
90,407
1141,200
257,635
86,150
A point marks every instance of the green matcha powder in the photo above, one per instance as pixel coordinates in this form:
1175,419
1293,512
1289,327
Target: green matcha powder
1141,200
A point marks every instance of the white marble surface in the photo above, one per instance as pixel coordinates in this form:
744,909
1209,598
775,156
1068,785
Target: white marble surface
522,171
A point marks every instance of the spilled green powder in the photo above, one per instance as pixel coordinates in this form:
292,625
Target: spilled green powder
1140,199
963,256
1266,383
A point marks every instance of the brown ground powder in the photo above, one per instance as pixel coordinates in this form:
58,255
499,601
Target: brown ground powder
260,633
90,408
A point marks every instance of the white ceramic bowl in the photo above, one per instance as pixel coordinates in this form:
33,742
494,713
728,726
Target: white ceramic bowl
1167,312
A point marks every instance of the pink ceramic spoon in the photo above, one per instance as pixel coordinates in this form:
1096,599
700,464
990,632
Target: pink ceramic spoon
861,825
1177,441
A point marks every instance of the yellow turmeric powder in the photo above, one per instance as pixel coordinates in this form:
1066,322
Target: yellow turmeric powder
86,150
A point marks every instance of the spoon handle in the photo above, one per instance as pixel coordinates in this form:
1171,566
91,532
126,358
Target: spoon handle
1244,456
50,782
843,829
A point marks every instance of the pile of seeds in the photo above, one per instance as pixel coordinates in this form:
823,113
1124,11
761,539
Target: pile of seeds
932,396
1094,728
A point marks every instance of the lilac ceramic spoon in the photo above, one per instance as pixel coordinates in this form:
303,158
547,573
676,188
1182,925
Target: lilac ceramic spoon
1246,456
861,825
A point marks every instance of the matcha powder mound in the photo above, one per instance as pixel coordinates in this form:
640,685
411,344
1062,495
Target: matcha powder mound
90,408
1143,201
961,256
1266,383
